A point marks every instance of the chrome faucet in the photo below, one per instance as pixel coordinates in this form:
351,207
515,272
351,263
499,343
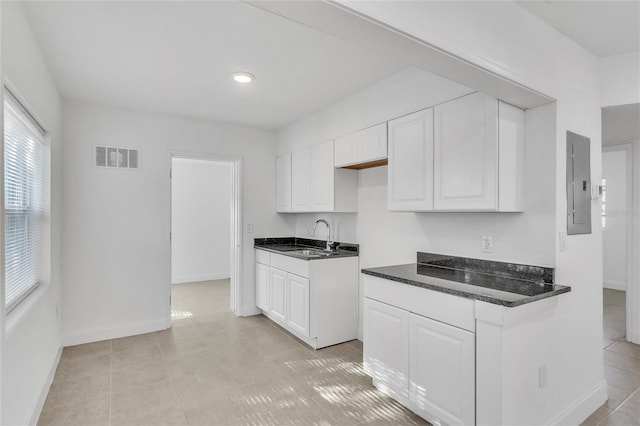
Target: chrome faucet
329,240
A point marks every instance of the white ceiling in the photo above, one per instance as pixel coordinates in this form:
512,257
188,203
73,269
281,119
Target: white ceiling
177,57
603,27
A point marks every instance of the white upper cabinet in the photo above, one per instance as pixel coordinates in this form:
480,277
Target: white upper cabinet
316,185
410,172
283,183
300,180
466,154
510,158
478,153
322,178
360,149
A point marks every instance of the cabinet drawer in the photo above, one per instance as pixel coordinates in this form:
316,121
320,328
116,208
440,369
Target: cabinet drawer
446,308
263,257
294,266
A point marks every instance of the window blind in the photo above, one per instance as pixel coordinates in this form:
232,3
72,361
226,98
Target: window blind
26,200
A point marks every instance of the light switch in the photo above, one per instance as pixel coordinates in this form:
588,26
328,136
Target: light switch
249,228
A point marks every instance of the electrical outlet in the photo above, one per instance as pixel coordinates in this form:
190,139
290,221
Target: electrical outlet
487,243
249,228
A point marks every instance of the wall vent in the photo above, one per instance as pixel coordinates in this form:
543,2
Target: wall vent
118,158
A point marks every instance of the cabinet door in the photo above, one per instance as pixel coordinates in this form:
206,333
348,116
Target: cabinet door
386,347
322,177
278,295
283,183
346,150
298,304
300,180
410,172
465,154
442,366
372,144
262,286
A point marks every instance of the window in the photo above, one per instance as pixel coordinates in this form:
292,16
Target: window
26,201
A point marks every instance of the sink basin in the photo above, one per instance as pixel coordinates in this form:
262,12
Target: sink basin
312,253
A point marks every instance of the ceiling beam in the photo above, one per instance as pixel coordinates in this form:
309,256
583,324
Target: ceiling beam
348,25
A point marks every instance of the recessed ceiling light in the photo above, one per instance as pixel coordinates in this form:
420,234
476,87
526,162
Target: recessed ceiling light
243,77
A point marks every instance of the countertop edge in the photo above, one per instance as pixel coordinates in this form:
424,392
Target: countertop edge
560,289
302,257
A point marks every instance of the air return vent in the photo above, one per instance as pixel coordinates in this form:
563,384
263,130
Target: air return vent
119,158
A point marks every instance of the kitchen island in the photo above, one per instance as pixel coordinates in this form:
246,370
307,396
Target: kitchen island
460,340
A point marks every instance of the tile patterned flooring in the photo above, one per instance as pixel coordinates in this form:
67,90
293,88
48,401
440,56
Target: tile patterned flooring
211,368
621,368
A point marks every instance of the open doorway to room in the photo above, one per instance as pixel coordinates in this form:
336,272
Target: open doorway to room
204,235
620,223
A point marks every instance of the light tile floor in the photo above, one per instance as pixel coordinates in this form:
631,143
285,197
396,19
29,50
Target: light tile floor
621,367
211,368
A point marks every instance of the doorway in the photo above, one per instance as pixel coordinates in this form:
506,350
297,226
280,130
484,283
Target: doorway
205,235
621,163
616,238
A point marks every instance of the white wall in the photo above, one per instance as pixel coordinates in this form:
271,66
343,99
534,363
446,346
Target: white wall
31,332
619,79
116,228
509,41
614,236
200,220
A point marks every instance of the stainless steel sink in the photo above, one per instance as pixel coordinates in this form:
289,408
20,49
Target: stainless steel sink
312,253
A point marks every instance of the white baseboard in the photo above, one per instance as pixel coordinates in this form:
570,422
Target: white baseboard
615,285
633,337
77,337
199,277
249,310
37,410
578,412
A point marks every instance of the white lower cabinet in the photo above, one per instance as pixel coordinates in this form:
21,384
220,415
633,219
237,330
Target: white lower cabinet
317,301
262,286
278,296
297,301
441,371
425,364
386,340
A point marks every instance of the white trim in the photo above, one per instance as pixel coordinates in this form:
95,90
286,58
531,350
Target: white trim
24,103
201,277
236,243
615,285
37,410
78,337
583,407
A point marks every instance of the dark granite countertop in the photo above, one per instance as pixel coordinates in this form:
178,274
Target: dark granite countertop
291,246
475,282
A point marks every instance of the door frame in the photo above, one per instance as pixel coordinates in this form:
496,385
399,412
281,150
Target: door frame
235,243
632,286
